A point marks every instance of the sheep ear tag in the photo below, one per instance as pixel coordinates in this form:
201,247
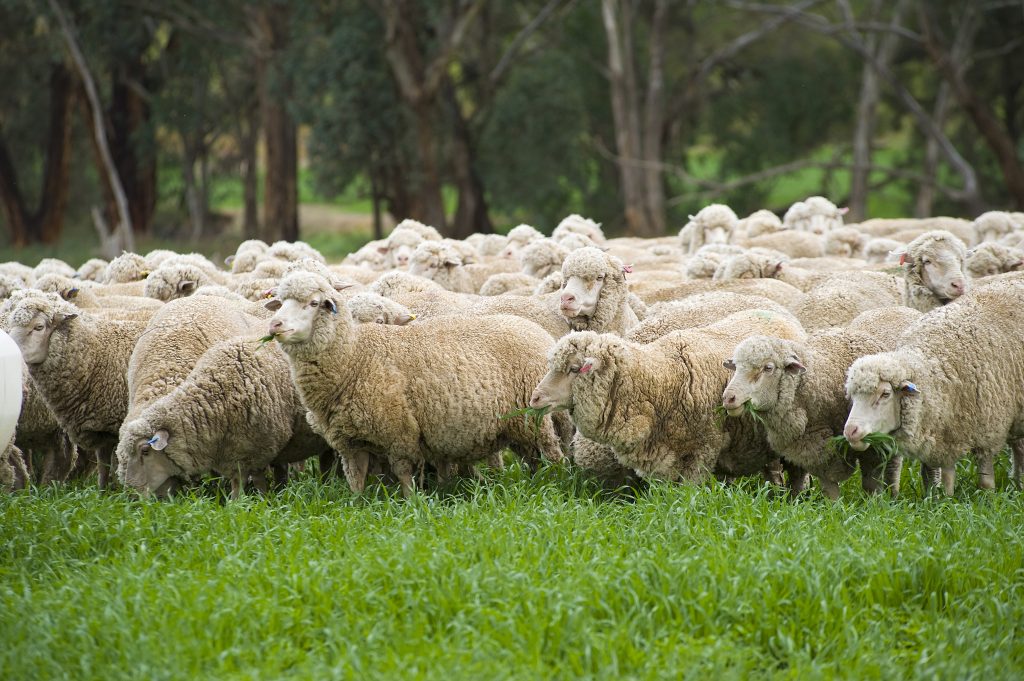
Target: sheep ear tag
627,269
330,305
159,440
903,259
909,388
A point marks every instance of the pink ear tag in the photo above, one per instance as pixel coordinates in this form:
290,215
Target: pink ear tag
903,259
586,368
627,269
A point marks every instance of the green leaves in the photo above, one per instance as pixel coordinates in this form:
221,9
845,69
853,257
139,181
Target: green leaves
883,444
532,416
748,410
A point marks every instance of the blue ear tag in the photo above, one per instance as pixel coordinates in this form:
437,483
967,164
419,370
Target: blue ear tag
152,440
911,387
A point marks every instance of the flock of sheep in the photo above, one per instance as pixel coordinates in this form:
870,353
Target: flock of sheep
785,348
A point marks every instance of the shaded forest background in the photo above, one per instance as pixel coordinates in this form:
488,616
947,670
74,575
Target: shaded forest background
221,118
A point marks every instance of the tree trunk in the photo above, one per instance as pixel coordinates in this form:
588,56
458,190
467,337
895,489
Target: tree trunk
375,198
45,223
129,119
884,49
427,201
471,212
924,204
654,120
980,113
280,187
250,178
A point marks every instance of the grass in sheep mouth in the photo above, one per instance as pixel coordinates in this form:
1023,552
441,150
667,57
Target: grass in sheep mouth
881,443
533,417
721,414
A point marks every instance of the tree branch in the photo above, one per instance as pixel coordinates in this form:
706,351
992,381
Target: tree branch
498,72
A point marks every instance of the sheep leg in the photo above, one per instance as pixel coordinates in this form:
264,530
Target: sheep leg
799,479
355,466
1018,461
403,470
893,472
259,481
773,472
103,456
496,461
830,488
328,465
280,476
948,479
237,483
929,477
986,471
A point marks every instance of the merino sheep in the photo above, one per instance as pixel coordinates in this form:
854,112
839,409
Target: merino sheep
791,242
885,323
92,269
955,384
398,283
838,300
84,295
235,413
398,247
581,226
595,294
759,222
78,363
933,270
374,308
174,280
519,237
796,389
442,303
542,257
780,292
487,245
52,266
845,242
246,256
989,259
704,263
698,310
438,262
877,250
392,390
995,225
9,284
294,250
509,282
713,224
125,269
815,214
426,232
652,404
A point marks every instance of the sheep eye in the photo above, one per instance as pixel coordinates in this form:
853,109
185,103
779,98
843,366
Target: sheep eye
926,261
768,368
39,327
379,320
600,277
886,394
574,370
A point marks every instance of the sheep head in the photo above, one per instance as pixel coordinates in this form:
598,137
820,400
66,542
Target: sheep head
575,355
880,388
431,258
588,275
936,260
760,365
305,309
32,321
144,461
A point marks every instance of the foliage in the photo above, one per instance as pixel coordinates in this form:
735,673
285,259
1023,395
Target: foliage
516,577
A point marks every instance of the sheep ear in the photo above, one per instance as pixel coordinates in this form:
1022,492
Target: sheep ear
908,388
329,304
383,250
63,317
793,366
844,210
342,285
403,319
273,304
186,286
590,364
900,254
72,293
159,440
452,261
228,260
729,364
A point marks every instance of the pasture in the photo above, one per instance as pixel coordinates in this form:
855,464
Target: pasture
520,576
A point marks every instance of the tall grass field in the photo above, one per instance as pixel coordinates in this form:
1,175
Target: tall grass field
520,576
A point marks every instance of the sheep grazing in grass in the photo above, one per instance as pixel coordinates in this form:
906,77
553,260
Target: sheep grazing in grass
652,404
713,224
954,385
78,362
594,293
393,390
796,391
815,214
933,270
235,413
989,259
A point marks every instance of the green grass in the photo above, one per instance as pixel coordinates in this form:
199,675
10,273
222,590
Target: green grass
518,577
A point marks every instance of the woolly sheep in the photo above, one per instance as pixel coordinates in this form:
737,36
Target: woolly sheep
509,282
52,266
572,241
753,264
487,245
797,390
158,256
440,263
845,242
990,258
293,250
22,273
83,294
399,247
652,404
885,323
758,223
178,279
542,257
779,291
393,390
92,269
878,250
9,284
882,227
955,384
374,308
78,363
577,224
426,232
235,413
464,250
713,224
698,310
703,263
398,283
794,243
518,238
594,293
432,304
933,270
837,301
126,268
247,256
815,214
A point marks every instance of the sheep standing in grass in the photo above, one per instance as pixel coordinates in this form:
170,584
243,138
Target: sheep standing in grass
933,270
653,404
78,362
236,413
713,224
796,389
955,384
595,294
394,390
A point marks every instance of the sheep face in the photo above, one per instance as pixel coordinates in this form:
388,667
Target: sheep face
555,389
875,410
295,320
431,261
943,274
148,469
759,367
33,336
579,296
716,235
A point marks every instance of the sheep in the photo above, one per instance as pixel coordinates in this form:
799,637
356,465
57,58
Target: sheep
698,310
933,270
159,256
704,263
426,232
796,389
794,243
52,266
178,279
815,214
577,224
432,304
41,439
398,283
393,390
437,261
996,224
878,250
652,404
246,256
92,269
372,307
845,242
399,247
293,250
753,264
780,292
84,295
235,413
509,282
595,294
759,222
885,323
713,224
464,250
16,270
78,363
549,284
882,227
518,238
9,284
841,298
955,384
126,268
487,245
989,259
571,241
542,257
14,474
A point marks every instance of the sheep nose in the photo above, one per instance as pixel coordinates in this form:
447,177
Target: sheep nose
958,286
568,299
403,260
729,399
852,432
275,326
535,399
